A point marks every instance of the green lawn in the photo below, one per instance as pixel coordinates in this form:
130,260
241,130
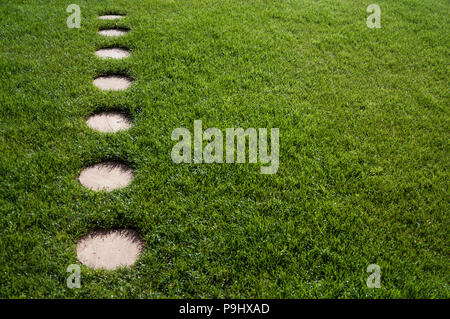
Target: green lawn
364,148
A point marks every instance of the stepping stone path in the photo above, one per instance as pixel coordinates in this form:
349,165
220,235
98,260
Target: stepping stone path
106,176
112,53
111,17
113,32
112,82
109,122
109,249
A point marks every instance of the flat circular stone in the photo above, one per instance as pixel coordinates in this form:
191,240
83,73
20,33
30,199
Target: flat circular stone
111,17
110,249
112,82
106,176
109,122
112,32
112,53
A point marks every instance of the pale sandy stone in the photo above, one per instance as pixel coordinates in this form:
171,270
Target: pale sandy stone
106,176
110,249
112,32
108,122
111,17
112,82
112,53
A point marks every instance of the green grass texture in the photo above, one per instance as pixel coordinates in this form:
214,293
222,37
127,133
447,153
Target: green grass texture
363,177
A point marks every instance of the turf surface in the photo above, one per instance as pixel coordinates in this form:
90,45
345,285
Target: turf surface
364,147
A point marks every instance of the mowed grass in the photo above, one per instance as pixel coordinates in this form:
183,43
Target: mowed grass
364,148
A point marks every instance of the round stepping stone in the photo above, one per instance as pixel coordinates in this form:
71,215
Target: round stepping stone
110,249
112,32
109,122
106,176
111,17
112,82
112,53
